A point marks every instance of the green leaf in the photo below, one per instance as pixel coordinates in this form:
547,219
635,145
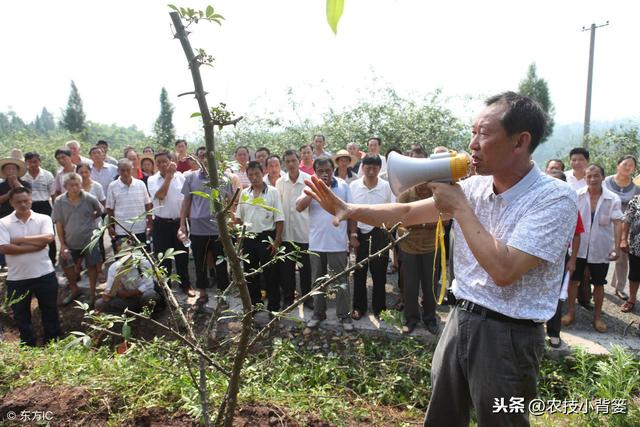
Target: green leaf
196,114
171,6
334,12
126,331
209,10
201,194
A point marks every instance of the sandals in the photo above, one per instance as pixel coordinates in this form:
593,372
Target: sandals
621,295
627,307
356,315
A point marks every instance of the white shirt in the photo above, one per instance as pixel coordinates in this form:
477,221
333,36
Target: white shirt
42,186
127,202
105,175
575,183
597,241
169,207
296,224
131,280
379,194
538,216
323,236
256,218
33,264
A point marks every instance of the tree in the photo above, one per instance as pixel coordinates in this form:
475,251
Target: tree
163,129
616,142
536,88
44,122
73,117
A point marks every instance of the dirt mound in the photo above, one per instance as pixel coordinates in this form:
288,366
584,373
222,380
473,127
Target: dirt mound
160,417
59,406
267,416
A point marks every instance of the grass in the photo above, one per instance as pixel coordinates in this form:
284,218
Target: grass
340,380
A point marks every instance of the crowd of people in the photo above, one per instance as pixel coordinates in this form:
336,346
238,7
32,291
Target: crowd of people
150,196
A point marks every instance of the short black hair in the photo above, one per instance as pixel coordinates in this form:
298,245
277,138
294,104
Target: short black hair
557,161
522,114
94,148
102,142
31,155
150,148
83,165
291,153
202,147
254,164
375,138
321,136
321,161
264,149
418,151
594,165
178,141
162,153
18,190
392,150
371,161
579,150
303,146
64,151
620,160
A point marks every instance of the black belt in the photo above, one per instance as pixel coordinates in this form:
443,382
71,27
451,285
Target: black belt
472,307
166,219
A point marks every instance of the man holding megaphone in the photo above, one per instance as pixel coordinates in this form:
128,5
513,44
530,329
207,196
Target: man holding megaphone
512,228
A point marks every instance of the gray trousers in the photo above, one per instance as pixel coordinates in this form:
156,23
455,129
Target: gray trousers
331,263
418,274
116,305
480,362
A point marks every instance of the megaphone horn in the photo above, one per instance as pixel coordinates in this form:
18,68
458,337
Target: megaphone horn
405,172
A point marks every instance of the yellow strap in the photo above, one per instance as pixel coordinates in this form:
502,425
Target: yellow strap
440,247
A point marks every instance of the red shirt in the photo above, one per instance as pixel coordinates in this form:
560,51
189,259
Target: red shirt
579,225
183,165
305,169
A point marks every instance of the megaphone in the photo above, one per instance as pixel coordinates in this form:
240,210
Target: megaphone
404,172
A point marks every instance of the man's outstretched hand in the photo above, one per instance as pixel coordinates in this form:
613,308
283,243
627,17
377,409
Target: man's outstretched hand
318,190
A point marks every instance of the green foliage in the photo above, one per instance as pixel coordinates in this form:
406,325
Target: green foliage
73,117
192,16
163,129
606,149
334,13
537,88
398,120
44,122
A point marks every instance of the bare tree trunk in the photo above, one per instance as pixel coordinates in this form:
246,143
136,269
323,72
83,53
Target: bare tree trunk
228,405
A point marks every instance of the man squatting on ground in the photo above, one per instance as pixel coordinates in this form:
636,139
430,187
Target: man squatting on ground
512,228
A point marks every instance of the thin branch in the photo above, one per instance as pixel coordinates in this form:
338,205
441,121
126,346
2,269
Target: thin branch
182,338
227,122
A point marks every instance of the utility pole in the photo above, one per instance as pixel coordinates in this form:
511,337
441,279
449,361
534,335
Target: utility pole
587,108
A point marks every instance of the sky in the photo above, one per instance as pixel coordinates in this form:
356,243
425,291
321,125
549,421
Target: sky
121,53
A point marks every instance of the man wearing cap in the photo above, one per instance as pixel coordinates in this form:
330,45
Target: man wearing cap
344,166
24,236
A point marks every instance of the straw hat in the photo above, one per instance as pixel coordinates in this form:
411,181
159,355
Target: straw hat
147,157
22,168
344,153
